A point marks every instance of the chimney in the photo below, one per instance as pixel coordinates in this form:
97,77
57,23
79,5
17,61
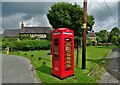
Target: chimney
22,24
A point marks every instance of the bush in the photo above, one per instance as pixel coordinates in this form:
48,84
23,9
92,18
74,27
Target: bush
32,55
24,37
44,63
25,54
93,43
98,39
9,42
88,41
39,58
115,40
18,52
11,45
26,45
9,39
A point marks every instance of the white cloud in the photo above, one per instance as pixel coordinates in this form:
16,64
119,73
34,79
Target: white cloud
103,18
42,19
37,20
1,24
0,17
13,21
58,0
31,22
105,25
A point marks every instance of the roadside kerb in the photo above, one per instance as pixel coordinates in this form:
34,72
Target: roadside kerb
89,74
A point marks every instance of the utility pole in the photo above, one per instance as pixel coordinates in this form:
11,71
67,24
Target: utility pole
84,36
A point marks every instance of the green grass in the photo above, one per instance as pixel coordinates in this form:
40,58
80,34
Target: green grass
0,41
94,55
0,45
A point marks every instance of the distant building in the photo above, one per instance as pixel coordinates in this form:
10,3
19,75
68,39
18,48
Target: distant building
11,33
40,32
92,36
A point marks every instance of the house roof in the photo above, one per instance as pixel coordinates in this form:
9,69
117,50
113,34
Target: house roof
35,30
91,34
26,30
11,33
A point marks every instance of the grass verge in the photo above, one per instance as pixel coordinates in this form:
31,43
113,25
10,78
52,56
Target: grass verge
94,55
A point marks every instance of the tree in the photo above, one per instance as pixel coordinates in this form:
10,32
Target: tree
78,41
115,40
103,34
69,15
114,32
64,14
98,39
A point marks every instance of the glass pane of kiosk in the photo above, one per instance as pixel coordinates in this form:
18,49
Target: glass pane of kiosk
56,48
67,53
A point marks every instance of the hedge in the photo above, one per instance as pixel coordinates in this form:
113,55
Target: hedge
26,45
9,39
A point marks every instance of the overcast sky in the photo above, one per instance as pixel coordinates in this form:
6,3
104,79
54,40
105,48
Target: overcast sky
34,13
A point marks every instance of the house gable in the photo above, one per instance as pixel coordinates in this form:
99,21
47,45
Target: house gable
92,36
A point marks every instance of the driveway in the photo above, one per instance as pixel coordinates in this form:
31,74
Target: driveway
16,69
112,73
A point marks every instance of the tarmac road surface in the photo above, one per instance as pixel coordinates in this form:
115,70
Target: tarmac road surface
16,69
112,73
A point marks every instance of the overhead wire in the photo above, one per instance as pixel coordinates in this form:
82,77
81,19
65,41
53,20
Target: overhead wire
109,10
97,6
103,13
114,20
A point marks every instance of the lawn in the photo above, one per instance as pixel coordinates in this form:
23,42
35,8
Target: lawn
0,46
94,55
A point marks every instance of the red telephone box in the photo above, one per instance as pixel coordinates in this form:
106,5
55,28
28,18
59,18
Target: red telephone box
62,52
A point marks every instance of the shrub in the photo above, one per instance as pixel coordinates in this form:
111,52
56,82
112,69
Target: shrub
11,45
24,37
93,43
26,45
44,63
9,39
88,41
49,36
9,42
25,54
115,40
18,52
39,58
32,55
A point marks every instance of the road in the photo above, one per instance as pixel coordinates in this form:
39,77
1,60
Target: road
0,69
112,73
16,69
